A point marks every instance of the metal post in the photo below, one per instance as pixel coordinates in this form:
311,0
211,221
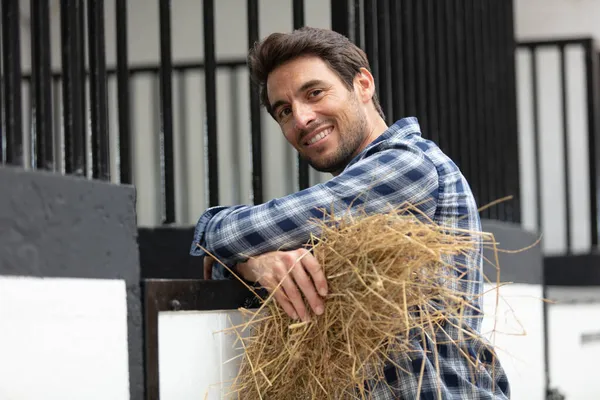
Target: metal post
98,91
384,72
41,85
125,151
211,101
72,88
12,82
565,127
536,139
591,71
298,21
340,21
431,66
513,208
397,55
257,186
371,38
166,95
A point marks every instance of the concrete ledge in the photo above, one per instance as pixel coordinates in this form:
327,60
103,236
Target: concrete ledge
522,267
66,227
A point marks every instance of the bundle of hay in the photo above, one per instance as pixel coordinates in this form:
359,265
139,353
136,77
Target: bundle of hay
381,269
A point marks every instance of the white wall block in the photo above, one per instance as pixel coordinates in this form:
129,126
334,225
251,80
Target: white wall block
197,360
515,327
63,339
574,337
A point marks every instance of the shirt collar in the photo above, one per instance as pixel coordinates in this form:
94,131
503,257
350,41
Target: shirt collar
399,129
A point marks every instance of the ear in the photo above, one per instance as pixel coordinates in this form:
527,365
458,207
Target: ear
364,85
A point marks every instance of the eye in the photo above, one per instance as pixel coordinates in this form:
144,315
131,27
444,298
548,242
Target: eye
284,112
315,93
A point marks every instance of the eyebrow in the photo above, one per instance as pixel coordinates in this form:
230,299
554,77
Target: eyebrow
304,87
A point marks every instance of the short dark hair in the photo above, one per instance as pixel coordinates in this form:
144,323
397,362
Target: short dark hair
343,57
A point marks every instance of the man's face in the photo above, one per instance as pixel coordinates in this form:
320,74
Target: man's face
318,115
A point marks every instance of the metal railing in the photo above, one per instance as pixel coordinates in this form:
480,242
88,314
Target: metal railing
566,61
445,62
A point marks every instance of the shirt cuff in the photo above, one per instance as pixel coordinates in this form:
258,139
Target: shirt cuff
198,240
218,271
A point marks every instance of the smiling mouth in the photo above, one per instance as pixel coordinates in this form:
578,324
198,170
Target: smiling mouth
318,137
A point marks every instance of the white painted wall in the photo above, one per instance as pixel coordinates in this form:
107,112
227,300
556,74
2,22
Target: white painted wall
573,369
551,18
199,357
193,347
63,339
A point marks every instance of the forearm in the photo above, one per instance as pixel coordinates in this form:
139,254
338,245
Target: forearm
387,180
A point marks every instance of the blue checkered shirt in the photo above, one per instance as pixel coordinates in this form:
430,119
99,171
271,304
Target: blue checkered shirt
399,166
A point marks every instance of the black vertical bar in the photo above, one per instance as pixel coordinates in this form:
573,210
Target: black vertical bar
565,127
452,92
420,61
396,50
514,207
298,13
255,115
125,170
298,21
210,68
462,133
408,53
69,117
441,67
73,88
11,56
470,124
59,146
79,38
498,133
384,59
431,67
486,171
536,138
478,77
340,17
41,85
490,86
166,95
591,72
2,80
98,90
356,25
371,38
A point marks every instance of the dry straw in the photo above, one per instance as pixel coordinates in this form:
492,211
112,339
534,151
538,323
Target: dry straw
381,269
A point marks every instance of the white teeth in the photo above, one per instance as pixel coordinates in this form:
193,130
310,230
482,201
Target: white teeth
320,136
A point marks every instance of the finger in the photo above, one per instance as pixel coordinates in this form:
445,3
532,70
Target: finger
285,303
279,295
208,266
294,295
307,287
315,271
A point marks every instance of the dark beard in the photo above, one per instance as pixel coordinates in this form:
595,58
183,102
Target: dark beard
345,153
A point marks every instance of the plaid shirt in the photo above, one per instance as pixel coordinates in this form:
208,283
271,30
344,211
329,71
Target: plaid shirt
399,166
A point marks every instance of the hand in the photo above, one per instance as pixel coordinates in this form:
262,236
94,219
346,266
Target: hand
306,276
208,266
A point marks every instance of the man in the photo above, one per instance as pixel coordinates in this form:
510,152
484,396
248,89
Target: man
318,87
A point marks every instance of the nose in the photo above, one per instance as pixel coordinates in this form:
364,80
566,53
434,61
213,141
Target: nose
303,116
